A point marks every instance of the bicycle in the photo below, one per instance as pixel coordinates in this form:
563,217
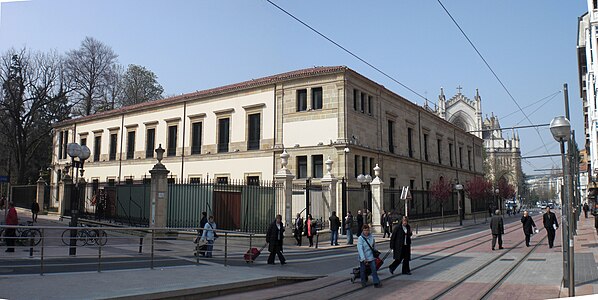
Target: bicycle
81,237
28,234
96,236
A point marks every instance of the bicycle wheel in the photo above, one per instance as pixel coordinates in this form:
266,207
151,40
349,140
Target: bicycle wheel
31,235
102,237
92,237
82,238
66,237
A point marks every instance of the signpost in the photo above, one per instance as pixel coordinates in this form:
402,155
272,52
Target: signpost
406,195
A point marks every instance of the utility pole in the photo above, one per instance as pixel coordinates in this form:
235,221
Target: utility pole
570,213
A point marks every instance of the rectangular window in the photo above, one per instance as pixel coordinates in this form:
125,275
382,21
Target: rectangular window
317,166
172,136
364,161
356,162
254,132
150,142
171,180
391,134
461,157
131,145
451,154
469,159
194,180
316,98
355,98
222,180
223,134
426,147
253,180
128,180
370,105
363,100
301,167
97,147
111,182
372,165
59,142
302,100
410,141
196,132
83,142
439,145
65,142
428,194
411,186
113,143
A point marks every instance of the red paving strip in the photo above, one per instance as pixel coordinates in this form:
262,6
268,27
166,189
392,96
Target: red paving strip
525,291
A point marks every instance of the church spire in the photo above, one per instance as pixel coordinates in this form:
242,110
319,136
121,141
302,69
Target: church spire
442,104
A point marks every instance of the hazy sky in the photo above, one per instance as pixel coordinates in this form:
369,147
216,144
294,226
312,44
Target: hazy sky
195,45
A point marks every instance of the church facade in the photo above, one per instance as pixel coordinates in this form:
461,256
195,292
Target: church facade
502,157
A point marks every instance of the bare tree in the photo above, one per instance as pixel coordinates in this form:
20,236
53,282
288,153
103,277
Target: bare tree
140,85
441,192
34,95
91,69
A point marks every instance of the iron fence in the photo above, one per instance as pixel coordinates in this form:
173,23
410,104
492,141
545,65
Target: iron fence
236,205
24,195
421,206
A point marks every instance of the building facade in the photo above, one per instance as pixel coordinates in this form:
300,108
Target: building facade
238,131
503,154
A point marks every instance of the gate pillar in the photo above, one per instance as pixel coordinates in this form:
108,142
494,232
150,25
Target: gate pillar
159,193
377,200
329,183
285,177
41,189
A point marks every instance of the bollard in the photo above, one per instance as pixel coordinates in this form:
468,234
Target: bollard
474,221
317,239
430,226
42,254
141,245
225,248
416,228
31,245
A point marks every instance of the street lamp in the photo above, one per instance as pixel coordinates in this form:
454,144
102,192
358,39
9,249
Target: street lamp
365,180
459,188
345,204
561,131
496,191
82,153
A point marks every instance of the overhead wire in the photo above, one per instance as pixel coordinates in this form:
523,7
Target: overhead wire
535,110
493,73
350,52
551,96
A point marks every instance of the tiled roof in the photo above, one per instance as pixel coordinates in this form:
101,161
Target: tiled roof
215,91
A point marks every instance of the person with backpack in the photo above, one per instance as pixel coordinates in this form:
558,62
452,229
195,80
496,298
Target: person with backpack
209,234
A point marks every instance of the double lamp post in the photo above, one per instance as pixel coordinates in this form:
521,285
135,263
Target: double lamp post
78,156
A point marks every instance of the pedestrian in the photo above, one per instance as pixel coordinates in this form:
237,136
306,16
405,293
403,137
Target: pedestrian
359,222
595,214
368,218
400,243
335,224
274,238
298,229
310,229
490,211
498,229
209,234
528,226
349,228
11,233
385,220
2,202
551,224
585,209
366,248
34,210
202,224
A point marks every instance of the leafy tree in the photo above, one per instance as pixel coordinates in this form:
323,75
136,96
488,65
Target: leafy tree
139,85
91,68
478,189
34,95
441,192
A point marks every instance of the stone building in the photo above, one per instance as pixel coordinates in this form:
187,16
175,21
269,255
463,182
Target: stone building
238,131
502,154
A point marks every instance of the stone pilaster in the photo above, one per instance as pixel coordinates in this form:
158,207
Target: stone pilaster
41,188
377,200
159,193
329,183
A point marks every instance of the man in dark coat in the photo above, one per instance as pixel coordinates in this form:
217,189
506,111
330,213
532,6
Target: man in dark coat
298,229
585,209
202,224
274,238
528,226
498,229
335,224
385,222
551,224
400,243
359,222
35,211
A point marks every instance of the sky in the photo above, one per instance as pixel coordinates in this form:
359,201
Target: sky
196,45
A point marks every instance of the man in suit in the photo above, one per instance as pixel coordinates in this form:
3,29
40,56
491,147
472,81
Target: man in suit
400,243
551,224
359,222
498,229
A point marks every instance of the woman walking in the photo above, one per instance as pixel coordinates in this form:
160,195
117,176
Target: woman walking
400,243
298,230
310,229
365,247
528,226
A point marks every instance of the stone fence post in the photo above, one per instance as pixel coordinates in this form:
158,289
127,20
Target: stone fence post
285,178
330,182
159,192
377,200
41,189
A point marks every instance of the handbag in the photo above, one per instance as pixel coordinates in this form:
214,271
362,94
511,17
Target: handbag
215,234
374,251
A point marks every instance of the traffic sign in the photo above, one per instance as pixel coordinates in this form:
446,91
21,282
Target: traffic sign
4,178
